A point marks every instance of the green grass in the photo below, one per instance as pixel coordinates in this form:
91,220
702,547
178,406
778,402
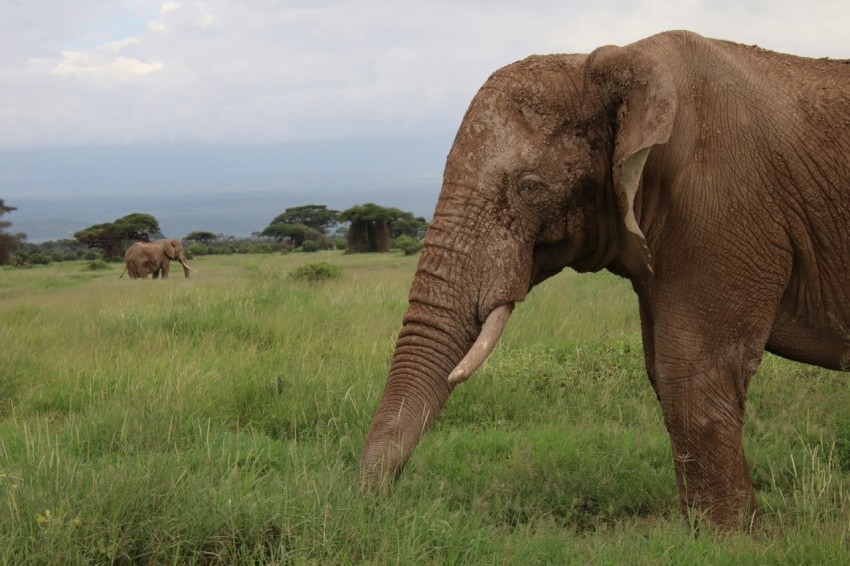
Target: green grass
220,420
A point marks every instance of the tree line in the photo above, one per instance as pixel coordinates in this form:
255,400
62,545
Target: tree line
311,227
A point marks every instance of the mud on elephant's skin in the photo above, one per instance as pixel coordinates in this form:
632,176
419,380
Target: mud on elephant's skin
146,258
712,175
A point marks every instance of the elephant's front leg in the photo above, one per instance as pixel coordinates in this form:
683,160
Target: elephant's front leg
704,411
700,374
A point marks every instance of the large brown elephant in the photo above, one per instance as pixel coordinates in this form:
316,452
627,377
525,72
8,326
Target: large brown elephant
146,258
714,176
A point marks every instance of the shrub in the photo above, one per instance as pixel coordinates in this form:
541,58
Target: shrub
407,244
97,265
310,246
40,258
315,272
90,255
196,249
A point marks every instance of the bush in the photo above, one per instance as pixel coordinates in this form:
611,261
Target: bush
407,244
258,248
91,255
40,258
309,246
97,265
315,272
196,249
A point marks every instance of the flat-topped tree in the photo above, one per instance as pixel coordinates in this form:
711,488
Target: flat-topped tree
316,216
296,233
372,226
109,236
201,236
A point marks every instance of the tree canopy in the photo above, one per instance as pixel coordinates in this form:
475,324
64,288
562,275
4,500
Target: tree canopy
8,242
201,236
297,233
407,225
316,216
109,236
372,226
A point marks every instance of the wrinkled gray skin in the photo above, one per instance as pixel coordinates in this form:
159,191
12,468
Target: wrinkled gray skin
146,258
714,176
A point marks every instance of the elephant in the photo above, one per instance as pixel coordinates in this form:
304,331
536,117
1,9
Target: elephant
145,258
714,176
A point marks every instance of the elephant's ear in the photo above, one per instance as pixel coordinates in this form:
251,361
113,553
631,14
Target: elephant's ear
168,246
640,91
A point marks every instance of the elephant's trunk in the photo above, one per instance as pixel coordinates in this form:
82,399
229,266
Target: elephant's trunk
416,389
441,343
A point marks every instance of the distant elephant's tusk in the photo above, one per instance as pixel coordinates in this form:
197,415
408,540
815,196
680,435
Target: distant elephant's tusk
186,265
491,331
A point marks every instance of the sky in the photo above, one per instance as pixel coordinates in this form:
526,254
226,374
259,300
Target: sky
107,72
115,106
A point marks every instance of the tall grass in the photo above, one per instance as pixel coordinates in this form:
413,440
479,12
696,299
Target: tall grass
220,419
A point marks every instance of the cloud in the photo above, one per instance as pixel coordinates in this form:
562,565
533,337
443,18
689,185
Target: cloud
105,63
218,71
160,25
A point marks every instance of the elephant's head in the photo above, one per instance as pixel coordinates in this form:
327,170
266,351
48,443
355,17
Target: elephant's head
542,175
173,249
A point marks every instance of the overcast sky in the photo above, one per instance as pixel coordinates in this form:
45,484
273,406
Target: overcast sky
105,72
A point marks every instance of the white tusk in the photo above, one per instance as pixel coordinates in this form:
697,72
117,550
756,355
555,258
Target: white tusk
491,331
186,265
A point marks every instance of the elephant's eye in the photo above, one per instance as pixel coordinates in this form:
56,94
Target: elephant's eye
532,187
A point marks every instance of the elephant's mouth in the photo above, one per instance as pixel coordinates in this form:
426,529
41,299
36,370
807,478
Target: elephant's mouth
487,339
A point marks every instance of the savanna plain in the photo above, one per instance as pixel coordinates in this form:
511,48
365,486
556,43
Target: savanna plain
219,420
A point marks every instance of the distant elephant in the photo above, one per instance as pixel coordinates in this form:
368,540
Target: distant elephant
714,176
145,258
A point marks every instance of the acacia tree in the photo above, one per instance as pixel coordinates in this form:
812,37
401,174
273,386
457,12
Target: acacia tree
296,233
301,223
9,243
316,216
110,236
201,236
407,225
371,226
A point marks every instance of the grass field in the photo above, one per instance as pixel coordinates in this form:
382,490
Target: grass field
220,420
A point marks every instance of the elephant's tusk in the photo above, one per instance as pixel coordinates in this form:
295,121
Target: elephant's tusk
186,265
491,331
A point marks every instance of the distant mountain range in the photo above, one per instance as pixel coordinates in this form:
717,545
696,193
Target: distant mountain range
232,190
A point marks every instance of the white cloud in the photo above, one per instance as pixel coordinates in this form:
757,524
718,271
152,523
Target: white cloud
246,72
105,62
160,25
